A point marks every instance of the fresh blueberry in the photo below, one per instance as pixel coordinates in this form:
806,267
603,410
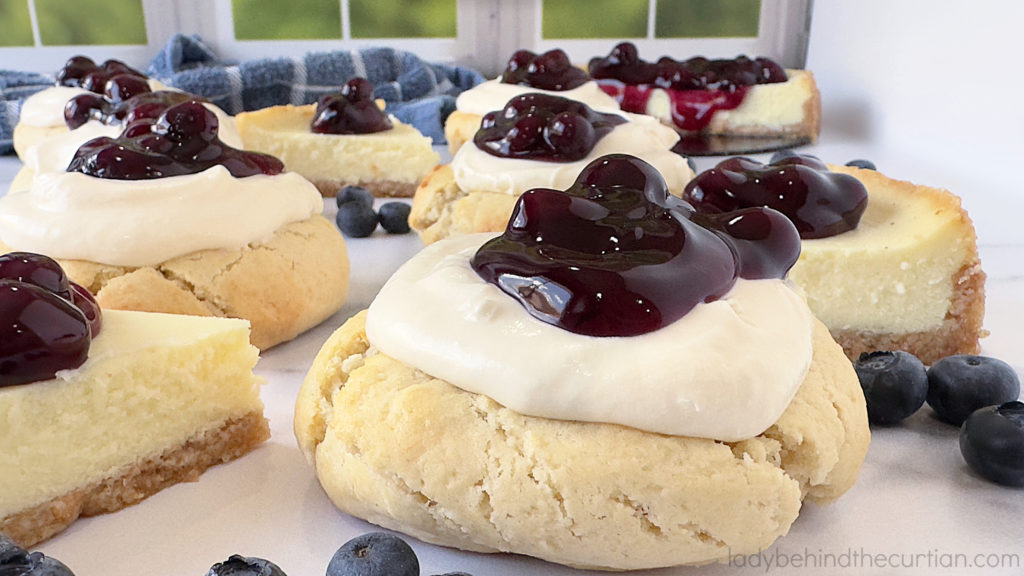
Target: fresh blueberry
782,155
692,164
353,194
237,565
356,220
374,554
16,561
394,217
895,384
992,443
959,385
862,163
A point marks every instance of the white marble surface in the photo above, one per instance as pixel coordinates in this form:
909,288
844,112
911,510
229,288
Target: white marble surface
916,509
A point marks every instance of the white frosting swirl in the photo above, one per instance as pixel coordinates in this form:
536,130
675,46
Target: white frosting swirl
641,136
494,94
726,371
145,222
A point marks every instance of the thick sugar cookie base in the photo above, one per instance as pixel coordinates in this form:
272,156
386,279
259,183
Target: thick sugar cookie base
413,453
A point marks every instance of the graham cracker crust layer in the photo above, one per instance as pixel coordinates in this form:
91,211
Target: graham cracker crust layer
233,439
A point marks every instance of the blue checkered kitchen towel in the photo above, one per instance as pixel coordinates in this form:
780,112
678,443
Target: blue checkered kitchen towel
416,92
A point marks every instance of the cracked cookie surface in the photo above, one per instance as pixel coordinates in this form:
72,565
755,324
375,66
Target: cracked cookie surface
284,286
413,453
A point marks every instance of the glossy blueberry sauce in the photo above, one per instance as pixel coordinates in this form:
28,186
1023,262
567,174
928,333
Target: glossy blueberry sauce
819,202
46,322
351,111
551,70
181,140
112,78
617,255
697,87
543,127
85,107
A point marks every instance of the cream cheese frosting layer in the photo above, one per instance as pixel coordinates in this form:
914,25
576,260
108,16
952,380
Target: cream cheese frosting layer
726,371
494,94
70,215
641,136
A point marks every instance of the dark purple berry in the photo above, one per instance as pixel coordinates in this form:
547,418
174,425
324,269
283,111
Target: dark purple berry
18,562
86,302
237,565
37,269
124,86
895,384
356,219
593,259
543,127
394,217
551,70
354,194
959,385
861,163
350,111
992,443
819,202
41,334
180,139
374,554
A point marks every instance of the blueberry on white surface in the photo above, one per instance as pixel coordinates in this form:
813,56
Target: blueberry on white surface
862,163
374,554
959,385
353,194
237,565
992,443
895,384
781,154
356,219
394,217
16,561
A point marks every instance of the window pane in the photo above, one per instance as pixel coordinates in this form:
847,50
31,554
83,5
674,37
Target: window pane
91,22
402,19
286,20
15,25
707,18
594,19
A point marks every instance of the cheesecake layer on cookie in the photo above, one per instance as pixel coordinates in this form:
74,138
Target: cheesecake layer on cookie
388,163
160,399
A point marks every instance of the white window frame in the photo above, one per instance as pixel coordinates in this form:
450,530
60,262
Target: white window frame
488,32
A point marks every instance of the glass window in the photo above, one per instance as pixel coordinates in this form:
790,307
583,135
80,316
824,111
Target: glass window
707,18
15,23
90,22
594,18
291,20
398,19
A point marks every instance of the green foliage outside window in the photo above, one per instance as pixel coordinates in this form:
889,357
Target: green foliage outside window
409,19
707,18
90,22
290,20
15,24
594,19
